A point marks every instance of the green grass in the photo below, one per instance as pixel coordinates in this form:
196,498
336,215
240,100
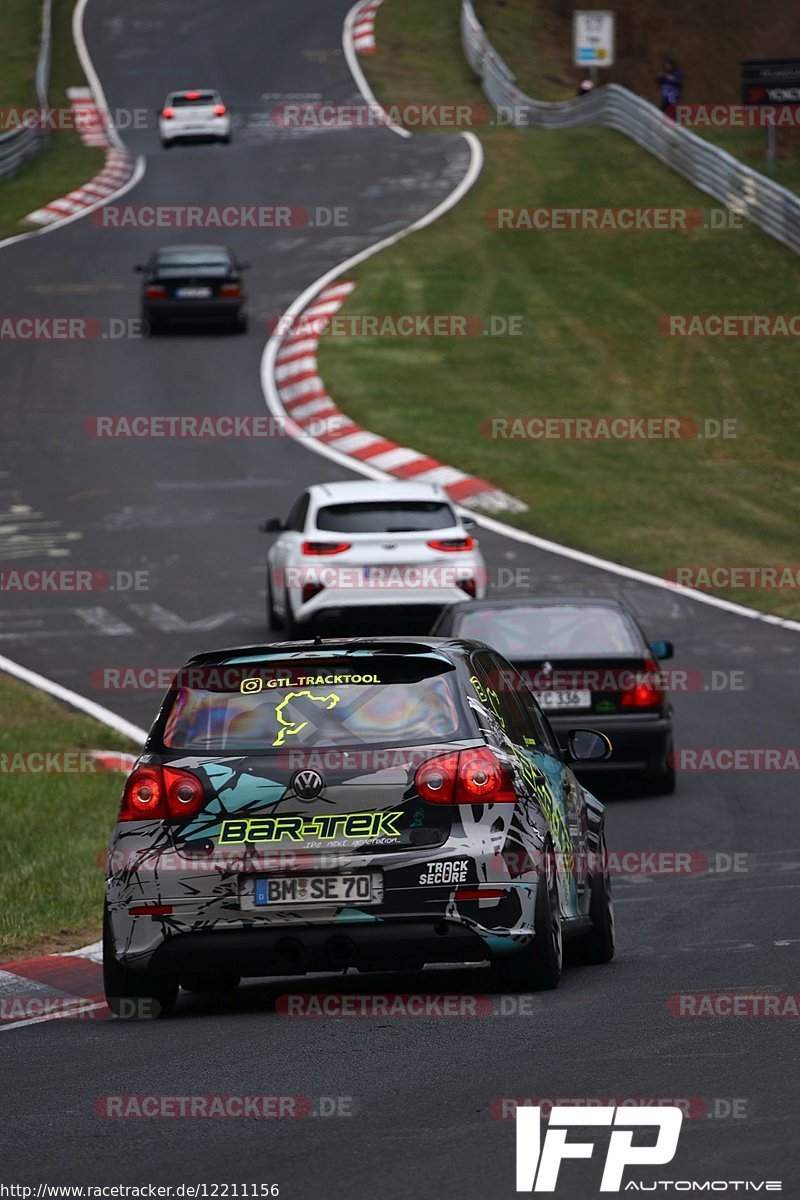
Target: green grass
590,304
64,163
54,828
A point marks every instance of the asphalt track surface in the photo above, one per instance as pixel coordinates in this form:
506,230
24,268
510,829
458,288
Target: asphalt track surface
422,1089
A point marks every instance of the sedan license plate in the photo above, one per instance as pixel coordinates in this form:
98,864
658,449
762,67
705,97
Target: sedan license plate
292,890
564,699
193,293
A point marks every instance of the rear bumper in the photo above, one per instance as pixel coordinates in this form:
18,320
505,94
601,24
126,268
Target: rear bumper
218,128
294,950
193,311
332,601
639,743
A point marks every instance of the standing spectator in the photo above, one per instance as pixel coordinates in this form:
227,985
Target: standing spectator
670,82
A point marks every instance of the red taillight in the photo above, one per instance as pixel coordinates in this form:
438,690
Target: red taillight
482,779
151,910
160,793
144,796
154,291
185,793
323,548
465,777
230,289
643,694
450,545
468,586
220,110
435,780
168,114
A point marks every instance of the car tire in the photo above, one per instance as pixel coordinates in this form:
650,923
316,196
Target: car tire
660,780
226,141
211,981
539,965
274,619
291,625
598,944
134,995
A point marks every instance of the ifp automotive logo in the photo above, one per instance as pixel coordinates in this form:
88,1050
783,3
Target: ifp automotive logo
538,1165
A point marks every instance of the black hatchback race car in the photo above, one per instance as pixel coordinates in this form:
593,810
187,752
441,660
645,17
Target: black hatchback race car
190,285
586,659
369,803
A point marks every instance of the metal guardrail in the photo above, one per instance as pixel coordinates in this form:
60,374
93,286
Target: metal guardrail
21,143
743,191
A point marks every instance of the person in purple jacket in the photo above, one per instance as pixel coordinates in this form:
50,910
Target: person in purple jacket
670,81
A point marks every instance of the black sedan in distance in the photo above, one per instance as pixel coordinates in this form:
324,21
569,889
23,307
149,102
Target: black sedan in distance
584,657
193,285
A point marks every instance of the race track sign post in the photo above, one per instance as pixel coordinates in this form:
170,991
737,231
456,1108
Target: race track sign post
772,81
593,39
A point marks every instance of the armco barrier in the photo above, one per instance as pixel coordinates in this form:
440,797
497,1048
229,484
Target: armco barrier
743,191
21,143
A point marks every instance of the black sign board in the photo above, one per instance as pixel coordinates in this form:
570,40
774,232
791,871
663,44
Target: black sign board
771,81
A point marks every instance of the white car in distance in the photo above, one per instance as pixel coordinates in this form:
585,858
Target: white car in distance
194,115
366,545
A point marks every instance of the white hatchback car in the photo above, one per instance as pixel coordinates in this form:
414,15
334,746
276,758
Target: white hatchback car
366,545
197,114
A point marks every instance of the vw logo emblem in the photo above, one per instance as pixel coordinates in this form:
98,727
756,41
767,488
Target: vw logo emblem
307,784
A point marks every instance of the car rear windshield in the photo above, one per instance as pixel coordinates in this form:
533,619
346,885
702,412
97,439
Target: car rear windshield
191,99
386,516
272,707
193,258
563,631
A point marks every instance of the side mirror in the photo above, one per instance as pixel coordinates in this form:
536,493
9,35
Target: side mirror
587,745
469,522
662,649
272,525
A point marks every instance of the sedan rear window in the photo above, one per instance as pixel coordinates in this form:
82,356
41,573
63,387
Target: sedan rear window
193,258
271,708
192,99
561,631
387,516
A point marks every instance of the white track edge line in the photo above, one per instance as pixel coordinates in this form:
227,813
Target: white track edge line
104,715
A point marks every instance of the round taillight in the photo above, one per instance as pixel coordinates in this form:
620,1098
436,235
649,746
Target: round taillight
184,793
435,780
144,794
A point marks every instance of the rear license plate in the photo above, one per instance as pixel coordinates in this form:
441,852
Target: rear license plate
193,293
554,700
394,575
314,889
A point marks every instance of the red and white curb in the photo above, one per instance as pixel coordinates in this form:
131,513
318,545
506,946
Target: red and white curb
55,987
118,169
364,27
305,400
